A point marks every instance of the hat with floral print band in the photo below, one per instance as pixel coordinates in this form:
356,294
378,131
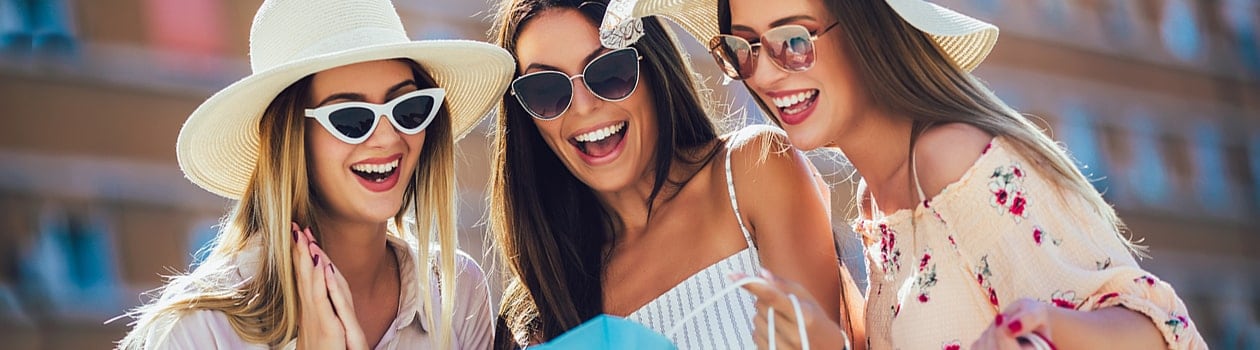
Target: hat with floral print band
965,39
218,145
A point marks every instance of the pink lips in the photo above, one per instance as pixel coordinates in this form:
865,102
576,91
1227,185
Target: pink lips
606,158
798,117
389,182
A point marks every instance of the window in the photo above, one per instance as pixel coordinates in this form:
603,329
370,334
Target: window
1077,132
72,266
1240,19
1241,174
39,25
200,239
987,7
1212,183
1056,12
1148,176
1118,21
1179,30
189,26
1175,152
1254,150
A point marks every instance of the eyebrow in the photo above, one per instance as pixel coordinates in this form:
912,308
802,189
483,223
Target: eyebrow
354,96
598,51
776,23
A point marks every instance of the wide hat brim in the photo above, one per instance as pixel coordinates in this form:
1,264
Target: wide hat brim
966,40
218,145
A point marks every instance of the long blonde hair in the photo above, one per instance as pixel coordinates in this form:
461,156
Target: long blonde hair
903,71
263,308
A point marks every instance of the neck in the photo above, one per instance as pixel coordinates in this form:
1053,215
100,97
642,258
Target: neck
879,149
630,205
359,251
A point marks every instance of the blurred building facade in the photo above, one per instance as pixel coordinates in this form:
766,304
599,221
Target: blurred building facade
1159,99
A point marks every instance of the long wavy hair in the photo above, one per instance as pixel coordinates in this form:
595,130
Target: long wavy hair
903,71
549,227
263,308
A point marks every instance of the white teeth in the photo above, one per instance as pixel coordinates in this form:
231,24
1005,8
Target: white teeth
788,101
600,134
376,168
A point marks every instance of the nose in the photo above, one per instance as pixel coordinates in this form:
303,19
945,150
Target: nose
384,135
765,73
583,101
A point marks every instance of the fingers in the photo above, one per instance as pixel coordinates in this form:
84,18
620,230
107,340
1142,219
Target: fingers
343,305
778,319
302,266
773,294
1026,316
768,294
786,332
1022,319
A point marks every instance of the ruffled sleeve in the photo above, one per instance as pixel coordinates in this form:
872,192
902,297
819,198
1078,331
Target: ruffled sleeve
1022,237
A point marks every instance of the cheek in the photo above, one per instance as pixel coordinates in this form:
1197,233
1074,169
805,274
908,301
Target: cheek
416,142
641,104
550,131
324,154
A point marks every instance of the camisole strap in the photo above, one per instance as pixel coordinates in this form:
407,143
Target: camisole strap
914,167
730,188
914,172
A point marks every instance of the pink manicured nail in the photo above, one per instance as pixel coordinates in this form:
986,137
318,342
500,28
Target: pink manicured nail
1015,326
998,320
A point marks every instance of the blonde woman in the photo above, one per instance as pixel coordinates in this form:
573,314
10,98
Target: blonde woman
980,230
339,152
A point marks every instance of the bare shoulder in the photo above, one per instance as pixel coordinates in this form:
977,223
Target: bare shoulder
766,169
763,152
945,152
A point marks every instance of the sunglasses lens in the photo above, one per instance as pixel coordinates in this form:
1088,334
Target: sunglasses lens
546,95
614,75
734,55
353,122
790,47
412,113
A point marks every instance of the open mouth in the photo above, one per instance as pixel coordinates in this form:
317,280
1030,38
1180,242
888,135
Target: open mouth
601,142
796,103
376,173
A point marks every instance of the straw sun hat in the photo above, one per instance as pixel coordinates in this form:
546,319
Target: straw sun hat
290,39
965,39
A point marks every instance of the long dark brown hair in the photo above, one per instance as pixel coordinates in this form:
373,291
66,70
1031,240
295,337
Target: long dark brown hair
903,71
551,229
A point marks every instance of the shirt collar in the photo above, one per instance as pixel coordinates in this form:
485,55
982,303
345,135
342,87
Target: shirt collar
411,305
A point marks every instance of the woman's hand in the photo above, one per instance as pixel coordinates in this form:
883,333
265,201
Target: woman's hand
326,317
1026,319
778,294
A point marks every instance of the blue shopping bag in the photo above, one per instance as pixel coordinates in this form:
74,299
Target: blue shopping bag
609,332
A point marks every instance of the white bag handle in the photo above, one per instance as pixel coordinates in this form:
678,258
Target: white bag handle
796,307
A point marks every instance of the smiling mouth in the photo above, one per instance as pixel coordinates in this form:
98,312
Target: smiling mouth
796,103
376,173
601,142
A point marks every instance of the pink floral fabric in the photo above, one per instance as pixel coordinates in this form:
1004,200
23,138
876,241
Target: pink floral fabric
1000,233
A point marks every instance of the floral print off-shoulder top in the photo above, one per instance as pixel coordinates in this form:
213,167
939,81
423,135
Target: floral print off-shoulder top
941,272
